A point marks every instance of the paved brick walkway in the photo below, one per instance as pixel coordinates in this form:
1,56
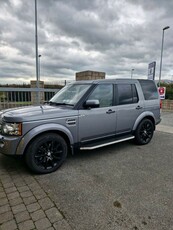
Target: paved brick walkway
24,204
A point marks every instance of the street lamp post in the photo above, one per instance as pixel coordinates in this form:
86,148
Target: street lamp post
132,73
39,65
36,54
160,73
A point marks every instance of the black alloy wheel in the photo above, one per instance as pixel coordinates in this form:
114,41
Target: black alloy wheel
144,132
46,153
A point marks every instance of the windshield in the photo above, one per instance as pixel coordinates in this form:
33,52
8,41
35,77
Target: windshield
70,94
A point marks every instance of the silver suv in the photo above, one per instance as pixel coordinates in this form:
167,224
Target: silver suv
83,115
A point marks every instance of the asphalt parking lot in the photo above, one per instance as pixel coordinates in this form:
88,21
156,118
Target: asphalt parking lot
123,186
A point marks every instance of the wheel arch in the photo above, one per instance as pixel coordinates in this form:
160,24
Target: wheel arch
37,131
143,116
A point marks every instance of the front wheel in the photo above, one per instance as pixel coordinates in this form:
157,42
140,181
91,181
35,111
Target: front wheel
144,132
46,153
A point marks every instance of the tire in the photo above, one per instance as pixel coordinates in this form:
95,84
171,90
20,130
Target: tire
46,153
144,132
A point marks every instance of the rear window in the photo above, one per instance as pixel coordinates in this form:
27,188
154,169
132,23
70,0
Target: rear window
149,89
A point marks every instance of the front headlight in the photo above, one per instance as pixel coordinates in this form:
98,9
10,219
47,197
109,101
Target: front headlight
12,129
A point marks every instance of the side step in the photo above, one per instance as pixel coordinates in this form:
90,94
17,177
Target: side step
105,143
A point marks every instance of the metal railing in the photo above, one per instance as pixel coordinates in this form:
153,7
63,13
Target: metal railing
17,97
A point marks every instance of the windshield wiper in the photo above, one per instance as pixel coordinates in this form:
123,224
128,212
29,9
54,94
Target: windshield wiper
50,102
57,103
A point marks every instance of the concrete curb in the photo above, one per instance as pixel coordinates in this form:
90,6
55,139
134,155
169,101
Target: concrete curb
164,128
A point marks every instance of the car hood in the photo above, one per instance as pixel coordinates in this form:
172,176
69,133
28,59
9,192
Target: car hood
32,113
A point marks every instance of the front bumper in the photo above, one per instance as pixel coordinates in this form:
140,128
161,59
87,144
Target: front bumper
8,145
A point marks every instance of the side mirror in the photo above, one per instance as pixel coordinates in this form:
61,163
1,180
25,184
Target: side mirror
92,104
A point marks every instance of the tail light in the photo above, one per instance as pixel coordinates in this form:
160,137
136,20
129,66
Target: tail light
160,104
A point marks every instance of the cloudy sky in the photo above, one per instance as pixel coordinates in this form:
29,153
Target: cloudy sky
113,36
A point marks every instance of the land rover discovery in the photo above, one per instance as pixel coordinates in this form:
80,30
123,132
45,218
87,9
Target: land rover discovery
83,115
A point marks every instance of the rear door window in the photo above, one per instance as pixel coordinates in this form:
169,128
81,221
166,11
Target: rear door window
127,94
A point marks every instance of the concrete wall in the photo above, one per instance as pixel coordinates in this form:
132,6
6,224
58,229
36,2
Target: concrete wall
34,95
90,75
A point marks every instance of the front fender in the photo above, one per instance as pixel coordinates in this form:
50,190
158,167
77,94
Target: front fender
41,129
141,117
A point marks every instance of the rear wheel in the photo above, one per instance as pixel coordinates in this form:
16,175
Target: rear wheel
144,132
46,153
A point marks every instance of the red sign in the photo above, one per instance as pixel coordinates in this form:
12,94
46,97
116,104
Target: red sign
162,92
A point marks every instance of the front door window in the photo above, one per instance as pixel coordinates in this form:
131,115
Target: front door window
103,93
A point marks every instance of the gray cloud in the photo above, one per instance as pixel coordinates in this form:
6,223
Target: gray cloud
105,35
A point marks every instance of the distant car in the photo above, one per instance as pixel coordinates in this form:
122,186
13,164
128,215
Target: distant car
83,115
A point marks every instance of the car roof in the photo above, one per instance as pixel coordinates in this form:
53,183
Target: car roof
103,81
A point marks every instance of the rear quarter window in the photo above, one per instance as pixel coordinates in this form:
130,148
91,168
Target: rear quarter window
149,89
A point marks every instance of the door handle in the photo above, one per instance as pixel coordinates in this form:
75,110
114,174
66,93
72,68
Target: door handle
110,111
139,107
